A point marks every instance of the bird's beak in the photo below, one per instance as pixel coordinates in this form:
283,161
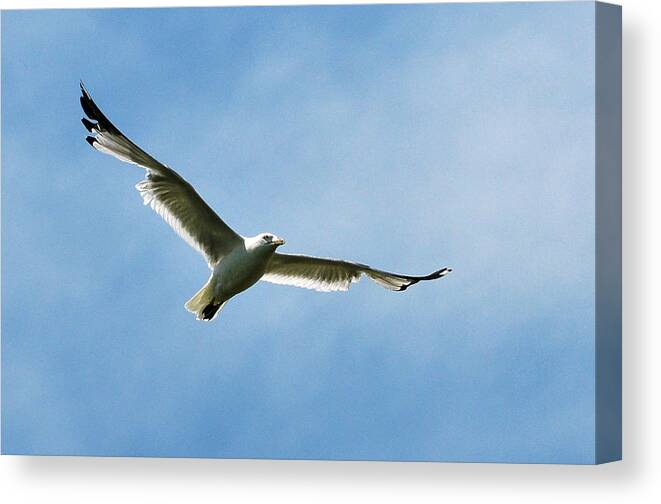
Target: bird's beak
278,241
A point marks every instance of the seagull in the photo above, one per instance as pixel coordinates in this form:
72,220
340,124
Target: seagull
237,262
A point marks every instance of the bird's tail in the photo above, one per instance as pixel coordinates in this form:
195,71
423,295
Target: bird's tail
203,304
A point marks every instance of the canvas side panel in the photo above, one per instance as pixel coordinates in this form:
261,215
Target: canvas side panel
608,414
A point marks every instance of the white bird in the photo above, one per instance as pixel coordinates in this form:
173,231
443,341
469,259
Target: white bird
236,262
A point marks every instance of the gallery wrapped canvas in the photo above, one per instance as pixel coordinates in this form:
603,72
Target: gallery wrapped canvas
360,232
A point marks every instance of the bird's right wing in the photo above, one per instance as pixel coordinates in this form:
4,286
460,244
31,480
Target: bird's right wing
163,189
333,274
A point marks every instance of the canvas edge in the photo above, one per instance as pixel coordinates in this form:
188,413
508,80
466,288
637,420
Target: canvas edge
608,233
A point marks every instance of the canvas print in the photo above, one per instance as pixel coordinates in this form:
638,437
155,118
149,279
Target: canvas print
190,197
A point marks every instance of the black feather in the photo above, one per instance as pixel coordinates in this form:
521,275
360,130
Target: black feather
88,124
210,310
94,113
88,107
414,280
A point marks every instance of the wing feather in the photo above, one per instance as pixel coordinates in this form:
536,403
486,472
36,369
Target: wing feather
328,275
163,189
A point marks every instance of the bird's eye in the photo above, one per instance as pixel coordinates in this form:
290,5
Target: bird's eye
268,238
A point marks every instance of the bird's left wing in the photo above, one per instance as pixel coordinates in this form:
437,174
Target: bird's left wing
333,274
163,189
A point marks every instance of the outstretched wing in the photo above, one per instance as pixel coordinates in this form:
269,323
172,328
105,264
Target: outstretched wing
163,189
333,274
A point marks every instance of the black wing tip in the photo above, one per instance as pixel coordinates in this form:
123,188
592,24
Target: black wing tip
433,276
437,274
83,90
88,107
442,272
90,140
93,113
89,125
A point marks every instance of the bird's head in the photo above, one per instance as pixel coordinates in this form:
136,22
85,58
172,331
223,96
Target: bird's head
269,240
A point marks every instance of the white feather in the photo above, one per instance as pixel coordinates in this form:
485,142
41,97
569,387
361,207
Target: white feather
165,191
327,275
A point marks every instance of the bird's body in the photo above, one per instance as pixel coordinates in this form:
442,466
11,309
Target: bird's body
239,270
237,262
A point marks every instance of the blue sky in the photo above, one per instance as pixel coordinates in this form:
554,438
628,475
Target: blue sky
407,137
